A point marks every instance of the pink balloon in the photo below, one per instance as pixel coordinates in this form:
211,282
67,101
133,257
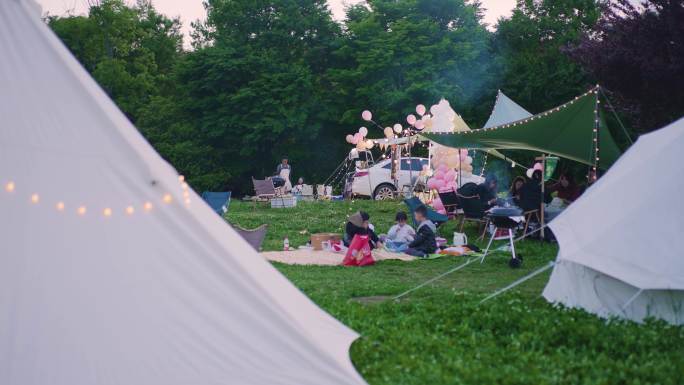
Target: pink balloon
357,138
464,151
431,183
420,109
411,119
442,211
469,160
439,174
452,186
366,115
419,124
538,166
350,139
443,167
450,175
439,183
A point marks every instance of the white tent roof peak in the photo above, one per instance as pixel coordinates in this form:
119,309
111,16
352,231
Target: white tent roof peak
505,111
97,287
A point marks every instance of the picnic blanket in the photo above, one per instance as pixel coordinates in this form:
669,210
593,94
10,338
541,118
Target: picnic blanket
325,258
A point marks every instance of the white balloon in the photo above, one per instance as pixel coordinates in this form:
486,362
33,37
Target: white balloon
363,131
398,128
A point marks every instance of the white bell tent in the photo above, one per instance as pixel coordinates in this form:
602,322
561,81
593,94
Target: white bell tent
505,111
621,244
112,271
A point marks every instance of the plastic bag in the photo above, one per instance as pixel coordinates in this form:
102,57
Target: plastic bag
359,252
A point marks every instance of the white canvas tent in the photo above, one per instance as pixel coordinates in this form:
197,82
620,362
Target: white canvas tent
505,111
111,270
621,244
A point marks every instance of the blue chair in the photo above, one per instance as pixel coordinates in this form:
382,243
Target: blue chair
413,203
218,201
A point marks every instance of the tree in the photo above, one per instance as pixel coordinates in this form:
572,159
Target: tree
400,53
637,53
253,88
130,51
529,46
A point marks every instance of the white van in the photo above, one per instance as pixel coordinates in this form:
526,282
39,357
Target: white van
376,182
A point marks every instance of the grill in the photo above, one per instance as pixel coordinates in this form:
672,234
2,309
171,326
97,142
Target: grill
500,217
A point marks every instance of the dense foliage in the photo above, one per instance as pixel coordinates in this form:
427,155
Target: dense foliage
268,78
439,334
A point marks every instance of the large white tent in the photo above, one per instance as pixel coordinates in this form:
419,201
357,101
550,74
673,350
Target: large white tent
622,243
111,270
505,111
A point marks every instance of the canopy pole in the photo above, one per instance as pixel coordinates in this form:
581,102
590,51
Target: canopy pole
596,133
543,183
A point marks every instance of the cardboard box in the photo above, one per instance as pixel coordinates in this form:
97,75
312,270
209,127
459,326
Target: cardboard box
318,239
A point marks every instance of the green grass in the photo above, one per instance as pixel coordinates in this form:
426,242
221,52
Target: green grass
440,335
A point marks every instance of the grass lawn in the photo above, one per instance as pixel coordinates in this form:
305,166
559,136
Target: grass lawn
440,335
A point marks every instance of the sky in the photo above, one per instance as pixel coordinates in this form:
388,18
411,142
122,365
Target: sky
191,10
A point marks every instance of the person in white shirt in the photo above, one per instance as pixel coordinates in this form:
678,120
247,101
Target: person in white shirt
401,234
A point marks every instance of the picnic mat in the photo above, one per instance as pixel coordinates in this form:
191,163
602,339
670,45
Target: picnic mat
325,258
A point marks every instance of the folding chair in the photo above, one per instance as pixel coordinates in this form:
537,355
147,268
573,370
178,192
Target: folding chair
413,203
264,189
255,237
450,201
473,212
528,218
218,201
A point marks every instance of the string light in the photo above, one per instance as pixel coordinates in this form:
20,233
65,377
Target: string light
60,206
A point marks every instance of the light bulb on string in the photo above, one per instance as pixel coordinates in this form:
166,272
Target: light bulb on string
35,198
147,206
9,187
60,206
167,198
130,210
107,212
81,210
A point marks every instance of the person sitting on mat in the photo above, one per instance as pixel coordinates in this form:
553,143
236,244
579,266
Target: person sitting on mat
400,235
358,224
425,241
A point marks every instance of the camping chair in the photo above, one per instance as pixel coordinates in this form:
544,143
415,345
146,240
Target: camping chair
473,212
413,203
218,201
264,189
255,237
528,218
450,201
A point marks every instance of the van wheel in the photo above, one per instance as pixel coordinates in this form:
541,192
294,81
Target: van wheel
384,192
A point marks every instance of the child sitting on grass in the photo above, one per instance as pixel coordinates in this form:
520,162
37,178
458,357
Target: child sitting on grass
400,235
425,241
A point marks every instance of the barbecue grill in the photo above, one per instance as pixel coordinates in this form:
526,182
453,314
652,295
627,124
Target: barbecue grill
502,218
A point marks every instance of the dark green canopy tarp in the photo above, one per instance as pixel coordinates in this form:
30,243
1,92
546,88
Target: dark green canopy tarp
566,131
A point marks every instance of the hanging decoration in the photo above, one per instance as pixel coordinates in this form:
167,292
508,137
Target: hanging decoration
106,211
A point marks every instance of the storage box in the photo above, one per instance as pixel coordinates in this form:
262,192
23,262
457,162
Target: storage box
318,239
284,201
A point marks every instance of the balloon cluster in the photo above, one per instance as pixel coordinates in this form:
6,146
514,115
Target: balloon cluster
359,139
537,166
